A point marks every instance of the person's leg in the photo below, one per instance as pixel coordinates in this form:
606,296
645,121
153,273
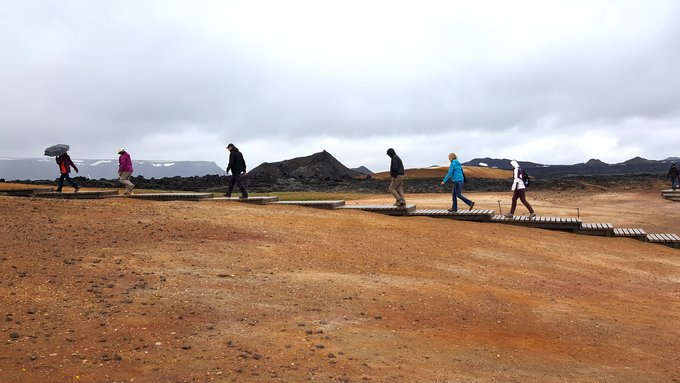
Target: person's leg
232,182
400,189
454,200
241,187
461,196
457,186
523,198
675,182
70,181
60,183
513,206
125,180
393,189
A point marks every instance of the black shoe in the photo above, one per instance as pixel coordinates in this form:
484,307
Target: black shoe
471,206
227,195
402,204
243,197
77,188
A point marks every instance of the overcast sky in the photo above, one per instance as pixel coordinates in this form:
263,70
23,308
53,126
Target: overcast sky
555,82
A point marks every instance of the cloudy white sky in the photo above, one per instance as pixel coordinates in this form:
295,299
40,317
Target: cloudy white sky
556,82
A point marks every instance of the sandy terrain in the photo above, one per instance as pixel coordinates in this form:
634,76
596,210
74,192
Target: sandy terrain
121,290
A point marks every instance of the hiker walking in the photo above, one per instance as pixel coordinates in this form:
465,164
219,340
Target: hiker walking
65,164
673,173
397,173
456,176
237,165
125,170
519,190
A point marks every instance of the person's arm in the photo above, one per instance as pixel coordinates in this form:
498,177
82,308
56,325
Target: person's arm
73,165
449,175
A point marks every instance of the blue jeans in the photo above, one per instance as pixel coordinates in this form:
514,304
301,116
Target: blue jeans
458,193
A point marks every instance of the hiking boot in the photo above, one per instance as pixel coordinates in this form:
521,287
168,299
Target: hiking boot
509,215
451,210
77,188
402,204
532,215
471,206
396,203
243,197
227,195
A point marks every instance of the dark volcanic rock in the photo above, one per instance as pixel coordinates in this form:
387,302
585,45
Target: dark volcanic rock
319,165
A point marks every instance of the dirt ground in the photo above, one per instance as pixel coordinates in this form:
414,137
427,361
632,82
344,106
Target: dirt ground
121,290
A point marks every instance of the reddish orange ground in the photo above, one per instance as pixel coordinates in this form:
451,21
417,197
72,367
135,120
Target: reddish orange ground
122,290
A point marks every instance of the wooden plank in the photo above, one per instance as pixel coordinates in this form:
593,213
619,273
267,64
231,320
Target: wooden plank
77,195
332,204
171,196
254,200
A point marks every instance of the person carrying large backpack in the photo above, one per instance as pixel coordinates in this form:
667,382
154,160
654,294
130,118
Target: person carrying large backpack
673,173
520,181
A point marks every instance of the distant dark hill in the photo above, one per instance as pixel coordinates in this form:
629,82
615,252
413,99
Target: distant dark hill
639,161
595,162
319,166
593,167
500,163
363,170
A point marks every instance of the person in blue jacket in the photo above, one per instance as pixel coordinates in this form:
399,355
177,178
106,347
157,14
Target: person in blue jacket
455,174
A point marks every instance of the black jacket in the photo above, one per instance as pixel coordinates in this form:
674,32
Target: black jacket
237,164
673,171
396,167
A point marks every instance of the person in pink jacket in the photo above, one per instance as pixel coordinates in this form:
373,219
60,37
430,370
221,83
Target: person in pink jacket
125,170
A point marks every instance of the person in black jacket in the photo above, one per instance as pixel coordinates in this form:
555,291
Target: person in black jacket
237,165
673,173
397,174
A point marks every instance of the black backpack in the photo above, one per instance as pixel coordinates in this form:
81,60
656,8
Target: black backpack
524,177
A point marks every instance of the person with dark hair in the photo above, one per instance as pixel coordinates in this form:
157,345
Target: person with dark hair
237,165
65,164
397,173
518,190
673,173
125,170
456,176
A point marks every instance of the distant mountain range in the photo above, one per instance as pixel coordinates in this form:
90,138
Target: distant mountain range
320,165
637,165
46,168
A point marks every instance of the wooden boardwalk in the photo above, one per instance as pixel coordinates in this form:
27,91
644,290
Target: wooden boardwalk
171,196
383,209
77,195
552,223
330,205
603,229
253,200
638,234
670,240
463,215
24,192
672,195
